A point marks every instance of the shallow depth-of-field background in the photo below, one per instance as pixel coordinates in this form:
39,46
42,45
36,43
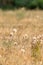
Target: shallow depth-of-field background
21,37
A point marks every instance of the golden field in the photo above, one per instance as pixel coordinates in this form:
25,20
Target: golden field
21,37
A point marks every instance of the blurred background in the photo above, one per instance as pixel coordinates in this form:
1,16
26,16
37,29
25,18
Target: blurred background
28,4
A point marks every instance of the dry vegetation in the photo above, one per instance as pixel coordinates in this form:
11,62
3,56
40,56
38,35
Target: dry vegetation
21,37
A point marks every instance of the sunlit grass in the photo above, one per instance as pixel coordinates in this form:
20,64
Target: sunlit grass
16,30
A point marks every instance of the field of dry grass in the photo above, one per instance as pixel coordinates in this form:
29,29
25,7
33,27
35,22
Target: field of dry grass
21,37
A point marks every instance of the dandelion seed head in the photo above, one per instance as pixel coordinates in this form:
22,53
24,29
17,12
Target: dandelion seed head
25,36
34,42
15,30
39,36
34,38
15,43
23,50
11,34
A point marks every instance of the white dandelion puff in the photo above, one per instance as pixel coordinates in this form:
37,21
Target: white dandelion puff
40,36
11,34
15,43
23,50
34,38
25,36
15,30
